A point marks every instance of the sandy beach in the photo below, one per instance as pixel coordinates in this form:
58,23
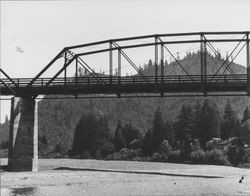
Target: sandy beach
92,177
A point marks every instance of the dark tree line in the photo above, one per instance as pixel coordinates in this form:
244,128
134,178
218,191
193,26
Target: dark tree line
193,128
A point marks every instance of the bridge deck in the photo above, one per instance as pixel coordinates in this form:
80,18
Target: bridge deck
126,84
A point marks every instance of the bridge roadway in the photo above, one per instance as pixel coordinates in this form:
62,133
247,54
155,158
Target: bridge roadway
126,85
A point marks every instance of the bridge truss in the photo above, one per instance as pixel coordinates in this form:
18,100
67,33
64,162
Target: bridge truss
224,81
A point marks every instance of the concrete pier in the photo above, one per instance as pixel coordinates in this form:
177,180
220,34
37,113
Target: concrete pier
23,135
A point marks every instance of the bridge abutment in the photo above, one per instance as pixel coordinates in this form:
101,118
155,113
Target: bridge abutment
23,135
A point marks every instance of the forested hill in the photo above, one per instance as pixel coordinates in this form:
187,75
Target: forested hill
58,118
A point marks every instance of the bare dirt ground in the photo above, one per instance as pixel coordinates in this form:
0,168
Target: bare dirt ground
59,177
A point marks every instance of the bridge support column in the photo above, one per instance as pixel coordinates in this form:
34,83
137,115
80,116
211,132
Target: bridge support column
23,135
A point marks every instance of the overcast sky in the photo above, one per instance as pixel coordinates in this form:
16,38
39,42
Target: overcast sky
33,32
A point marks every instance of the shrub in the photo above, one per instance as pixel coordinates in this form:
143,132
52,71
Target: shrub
5,144
198,156
156,157
106,149
58,148
235,154
4,153
98,155
174,156
210,145
124,154
165,148
135,144
216,157
85,155
246,158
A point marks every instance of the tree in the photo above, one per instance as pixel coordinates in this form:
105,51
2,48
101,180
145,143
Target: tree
246,115
147,143
91,134
158,133
81,140
119,140
184,124
169,132
197,117
209,121
130,134
44,140
245,132
230,123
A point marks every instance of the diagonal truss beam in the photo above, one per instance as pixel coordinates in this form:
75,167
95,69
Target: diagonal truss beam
6,85
130,61
176,60
218,56
234,58
85,65
60,71
59,55
224,62
7,76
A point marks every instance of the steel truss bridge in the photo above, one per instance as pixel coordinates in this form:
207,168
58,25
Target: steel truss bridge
160,84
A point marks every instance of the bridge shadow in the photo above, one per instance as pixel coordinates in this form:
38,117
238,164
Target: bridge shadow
138,172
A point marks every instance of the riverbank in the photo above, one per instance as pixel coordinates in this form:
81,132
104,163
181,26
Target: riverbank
94,177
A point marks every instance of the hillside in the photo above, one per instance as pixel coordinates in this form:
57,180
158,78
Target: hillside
58,117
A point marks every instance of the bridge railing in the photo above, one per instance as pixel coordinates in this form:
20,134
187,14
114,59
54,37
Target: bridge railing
115,80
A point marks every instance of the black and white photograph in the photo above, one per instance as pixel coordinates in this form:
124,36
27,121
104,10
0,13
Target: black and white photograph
124,97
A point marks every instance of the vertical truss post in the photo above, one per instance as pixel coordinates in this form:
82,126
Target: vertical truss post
248,64
156,59
110,62
76,70
162,63
65,68
205,66
205,60
119,66
202,57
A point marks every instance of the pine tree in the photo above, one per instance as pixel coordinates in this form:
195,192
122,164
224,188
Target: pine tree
197,116
130,133
147,143
245,132
169,132
230,123
81,140
209,122
91,134
158,133
246,115
119,140
183,125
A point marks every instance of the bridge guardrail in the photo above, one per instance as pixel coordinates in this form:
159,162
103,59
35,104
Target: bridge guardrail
89,80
